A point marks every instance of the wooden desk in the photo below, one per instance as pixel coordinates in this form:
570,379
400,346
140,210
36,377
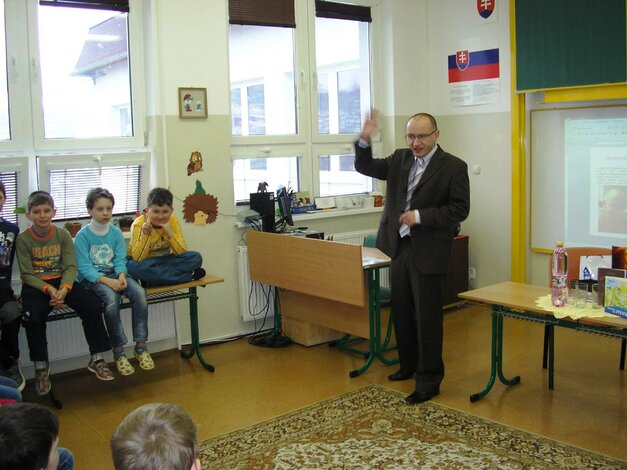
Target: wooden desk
330,284
515,300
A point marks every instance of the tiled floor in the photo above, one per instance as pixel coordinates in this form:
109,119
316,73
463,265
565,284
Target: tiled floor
588,407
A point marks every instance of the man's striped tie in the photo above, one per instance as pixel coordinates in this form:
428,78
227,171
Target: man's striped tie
414,176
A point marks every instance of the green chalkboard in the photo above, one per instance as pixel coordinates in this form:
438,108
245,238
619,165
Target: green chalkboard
564,43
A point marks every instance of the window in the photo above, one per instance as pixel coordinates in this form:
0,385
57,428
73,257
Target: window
276,172
236,111
338,176
5,129
299,89
69,179
81,94
325,163
263,91
84,65
344,75
9,179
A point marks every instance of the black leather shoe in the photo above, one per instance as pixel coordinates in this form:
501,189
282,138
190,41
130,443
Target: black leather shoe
400,375
419,397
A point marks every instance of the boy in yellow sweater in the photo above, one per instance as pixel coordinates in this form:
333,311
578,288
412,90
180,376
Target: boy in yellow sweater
157,252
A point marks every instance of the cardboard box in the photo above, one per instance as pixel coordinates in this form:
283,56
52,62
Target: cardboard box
616,296
308,334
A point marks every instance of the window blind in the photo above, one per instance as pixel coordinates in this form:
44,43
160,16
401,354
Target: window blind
342,11
113,5
9,179
262,13
69,188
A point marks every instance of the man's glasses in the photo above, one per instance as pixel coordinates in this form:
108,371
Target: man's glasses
421,137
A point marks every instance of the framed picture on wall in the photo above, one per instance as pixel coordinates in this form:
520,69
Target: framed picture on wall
193,103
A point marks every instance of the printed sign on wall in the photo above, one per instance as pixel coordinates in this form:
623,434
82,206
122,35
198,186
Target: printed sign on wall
473,77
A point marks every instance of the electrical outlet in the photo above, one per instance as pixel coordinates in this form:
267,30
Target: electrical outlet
472,273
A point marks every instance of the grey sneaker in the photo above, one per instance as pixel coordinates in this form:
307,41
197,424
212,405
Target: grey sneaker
14,373
42,381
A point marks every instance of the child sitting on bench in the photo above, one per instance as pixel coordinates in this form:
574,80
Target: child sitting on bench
47,263
101,257
158,253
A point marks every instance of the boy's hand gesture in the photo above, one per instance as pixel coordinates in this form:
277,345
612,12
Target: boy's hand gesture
122,281
167,228
113,284
146,226
57,297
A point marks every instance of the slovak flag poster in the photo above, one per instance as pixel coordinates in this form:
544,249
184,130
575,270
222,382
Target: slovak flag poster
473,77
465,66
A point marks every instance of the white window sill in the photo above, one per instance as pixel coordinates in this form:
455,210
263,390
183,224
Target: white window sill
325,214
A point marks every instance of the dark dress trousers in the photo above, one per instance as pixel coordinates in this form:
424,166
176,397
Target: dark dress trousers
419,262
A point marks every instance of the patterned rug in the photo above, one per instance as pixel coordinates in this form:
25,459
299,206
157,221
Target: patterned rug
372,428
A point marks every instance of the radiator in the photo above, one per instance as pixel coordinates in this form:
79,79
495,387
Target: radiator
66,338
357,238
256,299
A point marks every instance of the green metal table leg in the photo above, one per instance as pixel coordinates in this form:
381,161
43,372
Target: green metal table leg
496,366
193,319
375,347
373,301
381,347
495,331
514,380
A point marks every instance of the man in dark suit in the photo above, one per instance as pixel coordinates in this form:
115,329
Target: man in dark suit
428,195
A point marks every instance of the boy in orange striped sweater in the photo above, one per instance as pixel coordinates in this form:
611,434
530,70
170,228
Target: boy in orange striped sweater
48,270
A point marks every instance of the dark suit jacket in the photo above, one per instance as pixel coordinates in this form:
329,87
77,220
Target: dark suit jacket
442,197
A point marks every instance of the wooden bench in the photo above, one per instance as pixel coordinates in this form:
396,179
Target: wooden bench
155,295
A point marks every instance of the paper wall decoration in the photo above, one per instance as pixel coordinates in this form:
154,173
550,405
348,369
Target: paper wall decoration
200,208
195,163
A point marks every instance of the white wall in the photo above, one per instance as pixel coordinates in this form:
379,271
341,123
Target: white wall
418,37
192,51
188,47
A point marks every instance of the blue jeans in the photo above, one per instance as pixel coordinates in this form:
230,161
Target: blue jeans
162,270
8,389
66,459
111,300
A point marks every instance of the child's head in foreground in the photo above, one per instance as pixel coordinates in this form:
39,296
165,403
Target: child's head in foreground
29,435
156,435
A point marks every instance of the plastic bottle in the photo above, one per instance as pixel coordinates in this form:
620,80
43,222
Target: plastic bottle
559,276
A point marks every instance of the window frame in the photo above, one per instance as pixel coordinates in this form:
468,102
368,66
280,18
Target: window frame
45,163
21,166
253,152
373,59
35,113
338,149
307,143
